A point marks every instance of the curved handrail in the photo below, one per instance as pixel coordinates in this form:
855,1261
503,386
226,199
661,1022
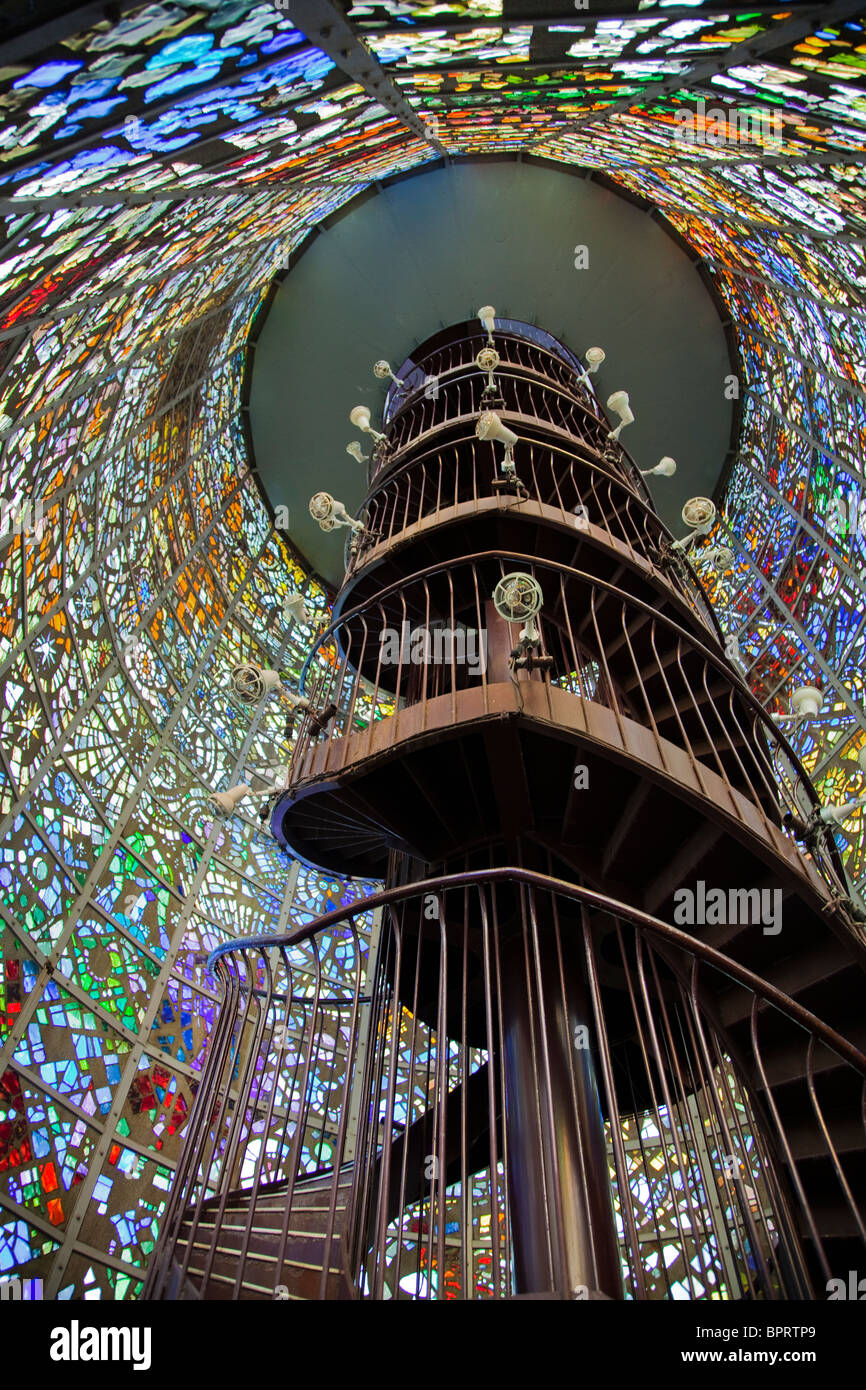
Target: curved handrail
598,463
563,358
707,653
342,617
634,473
257,1125
633,487
654,926
511,371
517,418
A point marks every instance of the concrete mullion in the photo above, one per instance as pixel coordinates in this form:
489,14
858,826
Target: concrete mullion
825,547
779,36
802,521
248,880
810,234
850,388
84,384
111,669
64,492
858,715
807,438
132,1059
789,292
123,290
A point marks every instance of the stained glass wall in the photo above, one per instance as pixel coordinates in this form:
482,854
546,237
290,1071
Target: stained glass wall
154,172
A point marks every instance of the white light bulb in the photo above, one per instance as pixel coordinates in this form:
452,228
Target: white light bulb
665,468
382,370
619,404
806,702
487,315
360,418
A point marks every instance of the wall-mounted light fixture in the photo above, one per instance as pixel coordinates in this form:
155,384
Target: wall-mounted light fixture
228,800
665,468
488,360
594,357
491,427
518,598
382,370
719,558
295,607
835,815
487,316
618,403
329,513
360,418
699,513
251,683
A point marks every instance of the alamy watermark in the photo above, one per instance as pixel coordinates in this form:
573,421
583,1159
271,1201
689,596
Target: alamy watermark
17,1289
421,645
713,907
846,516
21,517
77,1343
854,1288
716,126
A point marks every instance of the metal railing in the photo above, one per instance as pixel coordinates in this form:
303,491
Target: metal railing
584,491
434,634
409,1060
460,396
517,353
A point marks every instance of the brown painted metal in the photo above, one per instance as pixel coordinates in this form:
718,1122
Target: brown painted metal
555,1093
562,1217
502,972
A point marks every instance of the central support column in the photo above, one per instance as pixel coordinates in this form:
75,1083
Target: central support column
561,1209
499,649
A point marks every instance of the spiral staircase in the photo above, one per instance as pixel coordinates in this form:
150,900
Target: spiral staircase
533,1083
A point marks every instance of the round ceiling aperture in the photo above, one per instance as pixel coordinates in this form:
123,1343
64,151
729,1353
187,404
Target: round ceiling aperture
542,246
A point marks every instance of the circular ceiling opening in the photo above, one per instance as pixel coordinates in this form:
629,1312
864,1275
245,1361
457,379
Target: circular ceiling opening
540,245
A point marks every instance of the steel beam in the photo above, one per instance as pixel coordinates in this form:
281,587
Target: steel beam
327,27
781,36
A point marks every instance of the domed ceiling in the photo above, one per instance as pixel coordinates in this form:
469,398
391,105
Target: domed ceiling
160,164
539,244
